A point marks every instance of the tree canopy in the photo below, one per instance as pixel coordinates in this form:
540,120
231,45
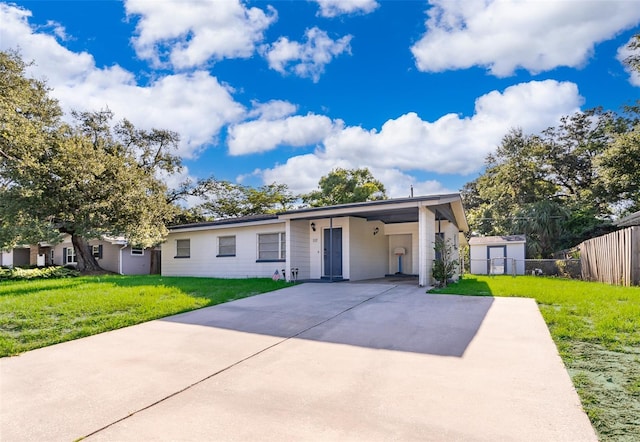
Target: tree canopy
343,186
223,199
561,186
87,179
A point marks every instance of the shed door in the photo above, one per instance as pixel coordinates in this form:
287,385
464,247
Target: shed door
497,260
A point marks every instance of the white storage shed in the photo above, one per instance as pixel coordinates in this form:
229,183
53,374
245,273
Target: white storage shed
497,255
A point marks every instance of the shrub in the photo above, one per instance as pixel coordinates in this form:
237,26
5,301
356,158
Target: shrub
18,273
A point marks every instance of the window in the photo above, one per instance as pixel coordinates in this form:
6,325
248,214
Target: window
96,251
70,256
183,248
53,255
271,247
227,246
139,251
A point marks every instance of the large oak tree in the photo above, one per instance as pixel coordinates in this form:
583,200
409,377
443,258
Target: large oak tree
87,179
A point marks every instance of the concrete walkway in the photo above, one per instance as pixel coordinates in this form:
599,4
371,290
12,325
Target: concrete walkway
312,362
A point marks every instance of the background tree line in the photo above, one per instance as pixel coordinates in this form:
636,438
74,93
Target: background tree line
95,176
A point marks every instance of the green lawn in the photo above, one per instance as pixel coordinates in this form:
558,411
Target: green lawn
596,328
38,313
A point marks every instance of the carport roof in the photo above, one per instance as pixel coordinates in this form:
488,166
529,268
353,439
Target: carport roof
398,210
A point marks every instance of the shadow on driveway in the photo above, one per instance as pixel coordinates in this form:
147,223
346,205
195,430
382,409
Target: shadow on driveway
377,316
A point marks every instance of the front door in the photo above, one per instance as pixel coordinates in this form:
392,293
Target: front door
333,252
497,260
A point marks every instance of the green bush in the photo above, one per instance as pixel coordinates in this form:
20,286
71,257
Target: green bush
18,273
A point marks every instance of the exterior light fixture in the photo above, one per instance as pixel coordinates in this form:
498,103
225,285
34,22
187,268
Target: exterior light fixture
376,230
313,226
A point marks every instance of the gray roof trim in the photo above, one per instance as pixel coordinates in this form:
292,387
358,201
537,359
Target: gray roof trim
506,239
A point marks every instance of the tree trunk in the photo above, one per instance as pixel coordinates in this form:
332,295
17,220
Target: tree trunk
86,261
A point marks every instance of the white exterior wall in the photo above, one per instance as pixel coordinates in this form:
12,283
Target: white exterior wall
517,252
298,247
403,235
6,258
451,234
204,248
369,253
426,231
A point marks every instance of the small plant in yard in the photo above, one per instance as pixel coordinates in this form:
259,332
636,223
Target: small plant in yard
444,266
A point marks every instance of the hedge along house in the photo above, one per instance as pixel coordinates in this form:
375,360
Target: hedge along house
345,242
497,255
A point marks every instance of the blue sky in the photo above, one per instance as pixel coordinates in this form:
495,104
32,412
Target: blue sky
418,91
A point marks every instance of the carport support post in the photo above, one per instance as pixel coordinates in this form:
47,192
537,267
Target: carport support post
331,249
426,237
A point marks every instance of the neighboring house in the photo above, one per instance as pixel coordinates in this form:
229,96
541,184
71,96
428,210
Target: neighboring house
352,241
25,255
113,254
493,255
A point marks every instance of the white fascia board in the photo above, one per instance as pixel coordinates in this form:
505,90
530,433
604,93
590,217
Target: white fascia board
228,226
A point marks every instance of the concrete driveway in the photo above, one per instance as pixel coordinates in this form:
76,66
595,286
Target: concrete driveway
312,362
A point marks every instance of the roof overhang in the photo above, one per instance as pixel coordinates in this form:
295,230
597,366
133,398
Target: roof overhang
446,207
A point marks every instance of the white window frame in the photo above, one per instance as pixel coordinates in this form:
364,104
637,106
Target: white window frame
221,247
71,257
139,251
282,247
178,248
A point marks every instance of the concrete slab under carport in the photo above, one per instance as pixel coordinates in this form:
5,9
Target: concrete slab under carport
312,362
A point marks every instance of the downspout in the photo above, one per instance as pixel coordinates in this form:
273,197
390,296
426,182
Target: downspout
120,259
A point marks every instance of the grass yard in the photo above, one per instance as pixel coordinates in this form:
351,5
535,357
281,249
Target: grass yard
38,313
596,328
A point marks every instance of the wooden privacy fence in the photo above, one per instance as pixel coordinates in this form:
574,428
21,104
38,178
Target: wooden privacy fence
612,258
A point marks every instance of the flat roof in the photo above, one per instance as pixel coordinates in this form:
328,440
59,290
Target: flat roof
513,239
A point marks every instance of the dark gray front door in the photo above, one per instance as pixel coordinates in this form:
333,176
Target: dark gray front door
333,252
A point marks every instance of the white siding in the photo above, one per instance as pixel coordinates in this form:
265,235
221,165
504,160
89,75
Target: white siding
204,245
298,247
368,252
398,235
6,259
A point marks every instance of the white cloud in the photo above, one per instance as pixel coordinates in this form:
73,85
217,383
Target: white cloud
333,8
264,135
195,105
272,110
308,59
191,32
506,35
623,53
451,144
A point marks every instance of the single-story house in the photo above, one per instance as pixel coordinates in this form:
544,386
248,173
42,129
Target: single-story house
493,255
25,255
354,242
113,254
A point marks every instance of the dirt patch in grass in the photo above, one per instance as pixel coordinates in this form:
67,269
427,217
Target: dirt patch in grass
608,383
